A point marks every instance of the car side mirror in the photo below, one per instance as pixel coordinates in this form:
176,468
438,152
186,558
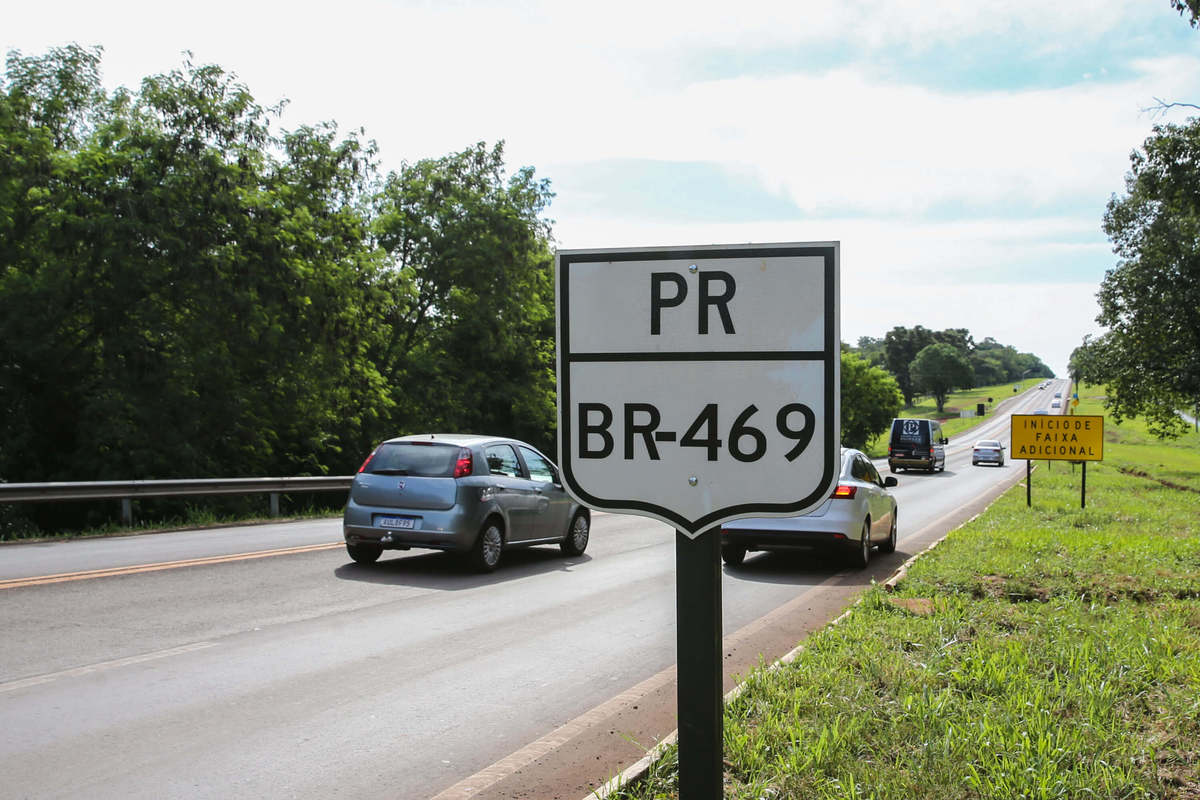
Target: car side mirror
945,440
889,482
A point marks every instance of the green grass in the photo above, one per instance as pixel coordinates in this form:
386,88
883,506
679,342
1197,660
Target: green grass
953,425
1044,652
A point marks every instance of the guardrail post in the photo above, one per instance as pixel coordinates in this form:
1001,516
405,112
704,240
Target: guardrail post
127,512
274,504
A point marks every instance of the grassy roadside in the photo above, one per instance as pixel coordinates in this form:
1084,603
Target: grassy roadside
1044,652
926,408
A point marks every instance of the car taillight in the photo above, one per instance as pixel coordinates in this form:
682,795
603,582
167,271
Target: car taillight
844,491
931,451
368,461
463,466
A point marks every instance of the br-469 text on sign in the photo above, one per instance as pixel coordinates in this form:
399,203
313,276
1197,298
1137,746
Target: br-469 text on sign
698,385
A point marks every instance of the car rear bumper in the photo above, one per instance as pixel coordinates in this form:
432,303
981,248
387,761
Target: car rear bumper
816,534
436,530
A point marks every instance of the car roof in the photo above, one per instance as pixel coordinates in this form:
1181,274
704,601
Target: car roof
461,439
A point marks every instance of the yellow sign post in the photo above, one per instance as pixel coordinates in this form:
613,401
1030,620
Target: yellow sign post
1057,438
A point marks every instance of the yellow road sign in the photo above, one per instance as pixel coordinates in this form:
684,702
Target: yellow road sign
1058,438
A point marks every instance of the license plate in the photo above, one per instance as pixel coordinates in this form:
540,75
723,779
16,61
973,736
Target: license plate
397,522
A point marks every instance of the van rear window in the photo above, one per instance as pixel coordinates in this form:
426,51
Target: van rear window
910,431
415,458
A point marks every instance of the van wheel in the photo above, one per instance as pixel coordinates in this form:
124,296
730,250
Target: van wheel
485,554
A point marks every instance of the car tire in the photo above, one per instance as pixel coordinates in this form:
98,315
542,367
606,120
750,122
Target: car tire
485,553
364,553
733,554
889,546
861,555
577,535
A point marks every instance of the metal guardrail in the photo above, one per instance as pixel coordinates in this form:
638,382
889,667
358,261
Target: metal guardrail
127,491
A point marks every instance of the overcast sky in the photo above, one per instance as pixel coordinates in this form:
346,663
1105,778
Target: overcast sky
962,153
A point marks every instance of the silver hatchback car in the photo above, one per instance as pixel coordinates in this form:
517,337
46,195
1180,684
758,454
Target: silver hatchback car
858,516
476,495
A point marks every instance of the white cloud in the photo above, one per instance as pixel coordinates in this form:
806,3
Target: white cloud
565,82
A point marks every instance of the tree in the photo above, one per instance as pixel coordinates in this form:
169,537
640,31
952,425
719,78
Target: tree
901,346
1188,9
872,350
870,400
472,345
1150,301
939,369
182,293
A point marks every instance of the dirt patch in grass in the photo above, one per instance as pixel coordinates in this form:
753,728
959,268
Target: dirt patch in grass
921,606
1002,587
1137,473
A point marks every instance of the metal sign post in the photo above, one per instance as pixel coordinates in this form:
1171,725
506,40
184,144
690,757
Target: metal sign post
1057,438
698,385
698,652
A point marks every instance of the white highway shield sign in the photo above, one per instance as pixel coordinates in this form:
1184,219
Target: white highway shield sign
697,385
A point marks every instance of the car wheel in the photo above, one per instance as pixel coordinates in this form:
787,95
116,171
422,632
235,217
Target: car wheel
485,554
890,545
861,556
733,554
577,535
364,553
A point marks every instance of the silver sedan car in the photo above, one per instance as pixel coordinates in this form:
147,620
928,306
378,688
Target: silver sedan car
859,516
476,495
987,451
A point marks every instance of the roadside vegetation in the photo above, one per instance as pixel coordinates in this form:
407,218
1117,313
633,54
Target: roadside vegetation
1044,652
952,423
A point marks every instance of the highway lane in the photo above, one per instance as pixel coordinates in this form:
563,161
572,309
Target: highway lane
306,675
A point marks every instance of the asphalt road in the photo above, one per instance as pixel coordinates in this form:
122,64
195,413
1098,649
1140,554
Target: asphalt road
260,662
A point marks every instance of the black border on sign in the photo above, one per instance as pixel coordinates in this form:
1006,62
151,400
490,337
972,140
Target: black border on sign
832,459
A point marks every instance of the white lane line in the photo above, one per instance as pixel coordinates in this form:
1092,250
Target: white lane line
75,672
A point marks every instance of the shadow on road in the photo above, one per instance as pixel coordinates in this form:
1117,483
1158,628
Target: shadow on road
920,475
813,566
435,570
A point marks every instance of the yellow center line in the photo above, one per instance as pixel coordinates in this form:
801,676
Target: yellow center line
15,583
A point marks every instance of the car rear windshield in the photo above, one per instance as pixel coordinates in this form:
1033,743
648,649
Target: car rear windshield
421,459
986,443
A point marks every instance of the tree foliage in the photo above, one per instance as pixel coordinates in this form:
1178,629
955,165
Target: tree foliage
186,291
901,346
1188,9
939,369
991,362
870,400
1150,301
473,346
